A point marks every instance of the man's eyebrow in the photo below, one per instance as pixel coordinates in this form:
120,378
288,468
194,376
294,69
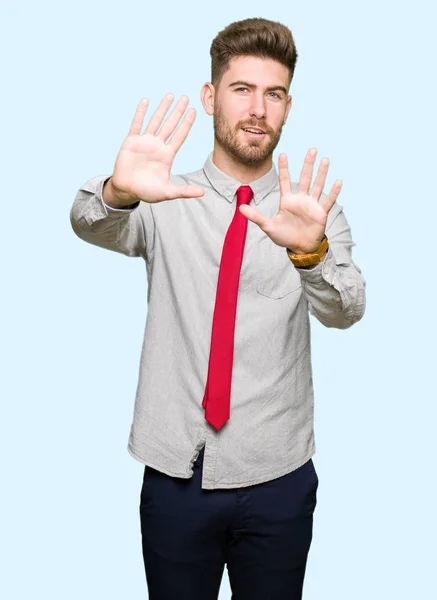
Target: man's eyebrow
272,88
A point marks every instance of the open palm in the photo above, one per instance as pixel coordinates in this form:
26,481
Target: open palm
300,222
143,165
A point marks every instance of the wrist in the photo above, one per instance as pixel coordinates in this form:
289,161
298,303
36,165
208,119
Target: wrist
115,198
307,250
309,259
300,251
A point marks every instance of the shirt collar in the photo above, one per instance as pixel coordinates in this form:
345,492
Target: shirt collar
227,186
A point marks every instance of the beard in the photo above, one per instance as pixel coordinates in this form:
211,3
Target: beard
246,152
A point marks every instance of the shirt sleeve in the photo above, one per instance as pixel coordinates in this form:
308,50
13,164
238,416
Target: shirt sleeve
129,230
335,288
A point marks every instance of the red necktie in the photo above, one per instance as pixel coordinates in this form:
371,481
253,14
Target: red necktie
216,400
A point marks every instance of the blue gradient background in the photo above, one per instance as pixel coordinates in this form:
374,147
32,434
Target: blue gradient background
73,315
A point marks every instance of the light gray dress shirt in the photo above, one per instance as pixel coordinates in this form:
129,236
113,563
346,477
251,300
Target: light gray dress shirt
270,430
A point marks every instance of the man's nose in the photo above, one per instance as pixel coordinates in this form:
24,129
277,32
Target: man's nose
258,108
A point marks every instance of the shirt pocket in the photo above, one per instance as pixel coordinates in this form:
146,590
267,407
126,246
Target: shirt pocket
276,275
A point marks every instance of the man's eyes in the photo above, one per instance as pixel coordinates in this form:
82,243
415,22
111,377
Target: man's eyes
244,88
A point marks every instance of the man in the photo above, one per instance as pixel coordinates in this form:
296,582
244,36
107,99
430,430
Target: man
236,259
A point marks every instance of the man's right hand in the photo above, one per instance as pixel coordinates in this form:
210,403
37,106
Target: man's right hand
143,165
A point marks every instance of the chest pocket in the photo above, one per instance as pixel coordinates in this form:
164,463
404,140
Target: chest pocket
276,275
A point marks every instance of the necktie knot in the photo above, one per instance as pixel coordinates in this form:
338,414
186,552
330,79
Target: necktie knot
244,195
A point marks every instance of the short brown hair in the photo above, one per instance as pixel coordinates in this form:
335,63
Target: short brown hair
252,37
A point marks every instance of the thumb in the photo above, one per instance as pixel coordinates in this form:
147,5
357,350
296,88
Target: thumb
185,191
252,214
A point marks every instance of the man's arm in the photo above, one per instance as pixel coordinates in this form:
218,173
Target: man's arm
335,288
129,230
142,172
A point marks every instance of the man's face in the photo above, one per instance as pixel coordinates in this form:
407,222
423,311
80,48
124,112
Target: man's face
251,94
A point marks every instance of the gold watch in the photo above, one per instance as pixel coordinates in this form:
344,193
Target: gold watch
313,258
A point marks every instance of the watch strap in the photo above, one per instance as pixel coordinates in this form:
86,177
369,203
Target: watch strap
312,258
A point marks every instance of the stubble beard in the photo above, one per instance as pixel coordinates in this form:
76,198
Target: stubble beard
252,152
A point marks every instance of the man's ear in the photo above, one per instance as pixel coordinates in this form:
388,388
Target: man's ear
207,95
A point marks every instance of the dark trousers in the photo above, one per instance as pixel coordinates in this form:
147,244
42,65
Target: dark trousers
262,533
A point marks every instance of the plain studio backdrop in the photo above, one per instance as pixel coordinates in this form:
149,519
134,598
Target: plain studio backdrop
73,315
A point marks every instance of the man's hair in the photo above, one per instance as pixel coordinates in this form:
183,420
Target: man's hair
252,37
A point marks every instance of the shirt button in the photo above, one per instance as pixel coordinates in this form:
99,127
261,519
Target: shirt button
326,270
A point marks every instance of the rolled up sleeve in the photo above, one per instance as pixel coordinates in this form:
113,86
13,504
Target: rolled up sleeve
335,288
129,231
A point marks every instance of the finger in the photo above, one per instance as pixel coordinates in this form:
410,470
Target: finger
320,179
253,215
138,120
331,199
170,124
306,174
182,131
184,191
284,175
159,114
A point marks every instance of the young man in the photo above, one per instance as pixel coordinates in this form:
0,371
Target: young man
236,259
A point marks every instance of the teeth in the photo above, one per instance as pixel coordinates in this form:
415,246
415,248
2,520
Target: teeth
253,131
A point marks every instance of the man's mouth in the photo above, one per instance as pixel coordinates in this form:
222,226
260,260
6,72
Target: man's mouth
254,131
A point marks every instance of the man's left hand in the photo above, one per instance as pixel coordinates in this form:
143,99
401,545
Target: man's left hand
301,220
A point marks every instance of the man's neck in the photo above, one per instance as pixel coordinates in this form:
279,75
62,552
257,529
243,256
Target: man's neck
243,173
